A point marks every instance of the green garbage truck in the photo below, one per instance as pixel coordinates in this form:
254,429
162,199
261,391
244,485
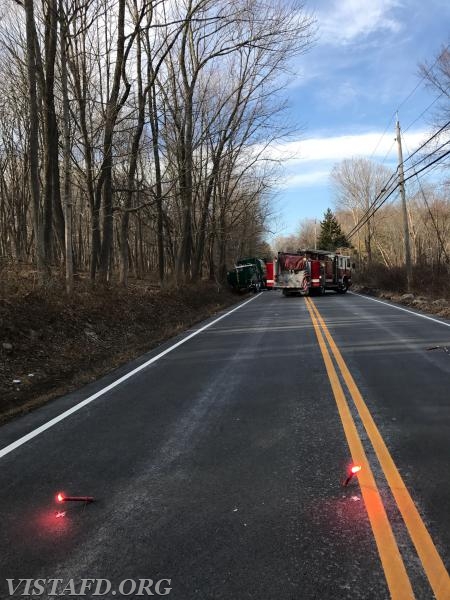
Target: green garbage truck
249,274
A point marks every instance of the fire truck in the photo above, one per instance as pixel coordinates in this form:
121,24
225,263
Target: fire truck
270,266
309,272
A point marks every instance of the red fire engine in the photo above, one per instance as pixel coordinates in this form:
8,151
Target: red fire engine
312,272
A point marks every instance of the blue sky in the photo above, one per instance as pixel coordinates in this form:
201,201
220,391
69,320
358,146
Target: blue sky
362,68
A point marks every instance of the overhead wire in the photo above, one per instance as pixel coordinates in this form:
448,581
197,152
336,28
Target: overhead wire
373,208
423,112
402,103
427,141
370,211
361,223
438,233
439,158
382,136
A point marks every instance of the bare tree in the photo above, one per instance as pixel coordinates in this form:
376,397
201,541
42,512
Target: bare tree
34,139
437,76
147,118
357,182
213,32
66,149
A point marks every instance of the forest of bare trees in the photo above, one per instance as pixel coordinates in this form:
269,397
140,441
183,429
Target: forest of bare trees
132,132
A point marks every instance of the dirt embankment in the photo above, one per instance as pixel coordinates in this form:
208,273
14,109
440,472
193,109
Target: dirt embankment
50,345
435,306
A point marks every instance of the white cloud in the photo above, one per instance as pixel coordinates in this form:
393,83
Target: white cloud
309,162
336,148
345,21
306,179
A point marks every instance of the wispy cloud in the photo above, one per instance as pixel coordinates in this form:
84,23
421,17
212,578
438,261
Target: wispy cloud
336,148
344,21
308,162
305,179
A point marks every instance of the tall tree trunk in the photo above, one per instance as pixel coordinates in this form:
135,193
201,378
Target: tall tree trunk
135,144
222,246
153,113
66,117
197,266
34,141
79,78
104,187
185,150
52,195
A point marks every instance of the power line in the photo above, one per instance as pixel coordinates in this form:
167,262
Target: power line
373,209
429,164
433,168
418,149
382,136
361,224
387,153
420,81
423,112
402,103
366,215
428,141
370,211
438,233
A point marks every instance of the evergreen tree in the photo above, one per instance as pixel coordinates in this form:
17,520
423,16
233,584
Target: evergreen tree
331,235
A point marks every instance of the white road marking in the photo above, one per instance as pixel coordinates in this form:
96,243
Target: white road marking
29,436
401,308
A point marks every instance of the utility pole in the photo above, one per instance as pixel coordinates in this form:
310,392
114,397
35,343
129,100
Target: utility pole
401,183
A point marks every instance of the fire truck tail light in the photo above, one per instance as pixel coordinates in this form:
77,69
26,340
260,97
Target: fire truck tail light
60,497
355,469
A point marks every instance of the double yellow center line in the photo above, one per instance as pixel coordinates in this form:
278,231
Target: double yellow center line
396,575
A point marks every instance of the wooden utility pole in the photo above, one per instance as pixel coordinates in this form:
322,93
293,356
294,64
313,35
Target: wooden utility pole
401,182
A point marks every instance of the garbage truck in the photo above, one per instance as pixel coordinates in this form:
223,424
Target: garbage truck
248,274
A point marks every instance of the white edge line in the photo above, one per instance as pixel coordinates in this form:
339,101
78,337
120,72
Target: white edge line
29,436
401,308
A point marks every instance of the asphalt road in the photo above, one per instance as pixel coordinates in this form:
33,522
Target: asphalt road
219,465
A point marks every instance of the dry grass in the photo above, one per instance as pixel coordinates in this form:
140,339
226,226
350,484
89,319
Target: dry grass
426,282
53,344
